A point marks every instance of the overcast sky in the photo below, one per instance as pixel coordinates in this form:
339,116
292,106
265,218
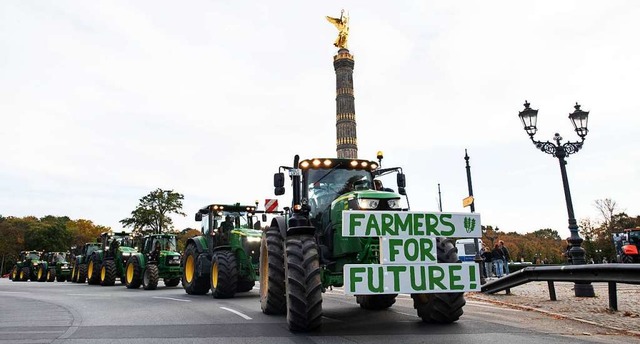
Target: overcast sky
102,102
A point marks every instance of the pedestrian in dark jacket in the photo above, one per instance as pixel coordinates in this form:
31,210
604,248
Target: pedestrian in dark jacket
498,259
488,264
505,256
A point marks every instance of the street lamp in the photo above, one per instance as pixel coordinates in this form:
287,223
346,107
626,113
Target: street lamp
579,119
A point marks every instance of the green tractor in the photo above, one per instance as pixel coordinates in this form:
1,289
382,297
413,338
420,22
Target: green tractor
27,266
108,262
54,267
79,270
225,257
305,252
158,259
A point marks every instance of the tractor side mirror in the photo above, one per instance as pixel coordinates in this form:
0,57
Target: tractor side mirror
402,191
402,182
278,183
264,218
198,217
257,225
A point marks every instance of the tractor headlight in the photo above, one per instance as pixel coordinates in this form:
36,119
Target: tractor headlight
253,239
393,203
366,203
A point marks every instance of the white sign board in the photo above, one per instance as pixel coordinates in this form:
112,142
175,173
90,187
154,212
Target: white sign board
406,224
363,279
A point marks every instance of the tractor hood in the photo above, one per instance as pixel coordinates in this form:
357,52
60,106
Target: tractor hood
364,200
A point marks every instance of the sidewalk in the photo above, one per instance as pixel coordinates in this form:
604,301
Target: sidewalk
534,296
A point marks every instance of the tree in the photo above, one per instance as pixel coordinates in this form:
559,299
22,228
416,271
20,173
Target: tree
184,236
152,213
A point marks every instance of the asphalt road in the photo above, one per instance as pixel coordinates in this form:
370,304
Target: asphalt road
33,312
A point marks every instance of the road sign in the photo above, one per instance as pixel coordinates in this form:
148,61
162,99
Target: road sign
271,205
467,201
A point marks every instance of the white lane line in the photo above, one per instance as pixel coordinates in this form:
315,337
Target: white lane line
13,292
29,332
105,295
170,298
236,312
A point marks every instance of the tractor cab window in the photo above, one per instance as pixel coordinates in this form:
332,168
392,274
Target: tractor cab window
325,185
60,257
167,243
91,249
634,237
34,256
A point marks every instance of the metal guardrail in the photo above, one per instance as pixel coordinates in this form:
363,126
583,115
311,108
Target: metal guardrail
605,273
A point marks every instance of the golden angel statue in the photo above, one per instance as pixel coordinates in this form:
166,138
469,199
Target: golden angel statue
342,24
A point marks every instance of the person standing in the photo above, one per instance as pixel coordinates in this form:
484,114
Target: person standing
497,258
488,264
505,256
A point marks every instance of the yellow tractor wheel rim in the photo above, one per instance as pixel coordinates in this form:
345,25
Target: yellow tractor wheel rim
129,273
39,274
21,274
103,273
189,269
48,275
90,270
214,275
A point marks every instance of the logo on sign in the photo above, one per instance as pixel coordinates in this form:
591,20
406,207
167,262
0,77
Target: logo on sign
469,224
271,205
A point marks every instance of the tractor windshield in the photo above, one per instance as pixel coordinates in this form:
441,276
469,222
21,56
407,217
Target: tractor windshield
325,185
166,243
634,237
60,257
34,256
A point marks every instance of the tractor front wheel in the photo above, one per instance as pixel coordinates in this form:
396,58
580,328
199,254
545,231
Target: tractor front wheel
376,302
51,275
41,275
191,282
245,284
82,274
224,275
272,288
108,273
25,273
171,282
133,273
150,277
14,273
304,287
626,259
442,308
93,271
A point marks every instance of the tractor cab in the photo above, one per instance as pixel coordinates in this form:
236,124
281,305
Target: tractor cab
224,223
159,246
630,245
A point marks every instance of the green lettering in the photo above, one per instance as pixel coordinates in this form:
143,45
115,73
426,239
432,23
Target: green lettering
354,222
393,250
396,270
417,223
380,287
432,224
436,275
411,251
444,220
455,277
399,224
387,225
412,274
372,224
426,244
353,278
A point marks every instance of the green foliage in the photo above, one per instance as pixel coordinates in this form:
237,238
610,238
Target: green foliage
152,213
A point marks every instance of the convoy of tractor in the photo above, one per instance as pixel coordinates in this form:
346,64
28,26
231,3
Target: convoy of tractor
159,259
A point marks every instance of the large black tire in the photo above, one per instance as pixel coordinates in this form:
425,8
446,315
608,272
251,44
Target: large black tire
25,273
14,273
224,275
93,271
133,273
51,275
626,259
61,278
376,302
441,308
108,273
171,282
82,274
245,285
150,277
191,282
272,285
41,273
304,287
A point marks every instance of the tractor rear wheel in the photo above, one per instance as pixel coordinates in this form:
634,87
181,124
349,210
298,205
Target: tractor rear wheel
304,287
442,308
108,273
41,275
150,277
93,271
224,275
191,282
61,278
626,259
171,282
14,273
245,285
133,273
25,273
51,275
82,274
376,302
272,286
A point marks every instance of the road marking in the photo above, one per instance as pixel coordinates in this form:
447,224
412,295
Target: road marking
411,315
31,332
236,312
13,292
170,298
105,295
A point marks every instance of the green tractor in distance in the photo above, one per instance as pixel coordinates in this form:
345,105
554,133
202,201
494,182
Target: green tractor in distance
304,252
108,262
225,257
27,266
79,271
54,267
158,259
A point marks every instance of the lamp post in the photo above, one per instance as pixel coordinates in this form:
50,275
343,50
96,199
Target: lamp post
491,237
579,119
477,259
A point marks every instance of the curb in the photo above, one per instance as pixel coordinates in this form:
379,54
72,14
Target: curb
555,315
